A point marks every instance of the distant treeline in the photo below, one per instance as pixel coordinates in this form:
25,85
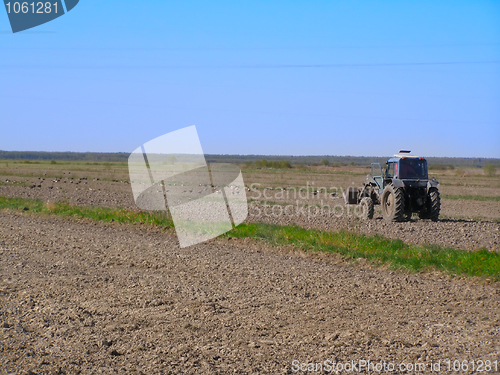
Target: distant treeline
440,163
256,160
65,156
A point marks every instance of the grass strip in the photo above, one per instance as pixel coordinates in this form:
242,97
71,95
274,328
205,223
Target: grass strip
377,249
471,197
94,213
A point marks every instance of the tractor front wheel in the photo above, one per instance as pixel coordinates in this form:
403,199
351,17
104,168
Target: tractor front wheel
393,203
433,205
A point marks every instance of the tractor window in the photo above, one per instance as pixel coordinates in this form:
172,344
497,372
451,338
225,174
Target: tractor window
413,168
391,170
376,170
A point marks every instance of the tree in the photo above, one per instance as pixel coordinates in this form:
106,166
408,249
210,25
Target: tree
490,169
285,164
325,162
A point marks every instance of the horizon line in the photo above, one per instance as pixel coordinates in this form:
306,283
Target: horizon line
259,155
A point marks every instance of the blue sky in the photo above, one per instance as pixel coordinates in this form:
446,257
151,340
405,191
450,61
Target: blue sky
257,77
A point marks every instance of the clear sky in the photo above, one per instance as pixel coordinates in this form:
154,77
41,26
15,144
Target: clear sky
296,77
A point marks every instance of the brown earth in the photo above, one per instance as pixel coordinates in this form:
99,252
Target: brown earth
82,297
466,224
89,298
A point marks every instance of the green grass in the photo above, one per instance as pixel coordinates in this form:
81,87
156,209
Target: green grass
471,197
377,249
63,162
59,175
16,183
299,170
94,213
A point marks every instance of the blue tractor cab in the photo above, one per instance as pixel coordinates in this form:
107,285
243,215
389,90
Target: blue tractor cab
402,188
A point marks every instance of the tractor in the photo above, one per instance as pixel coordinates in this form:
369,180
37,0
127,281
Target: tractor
402,189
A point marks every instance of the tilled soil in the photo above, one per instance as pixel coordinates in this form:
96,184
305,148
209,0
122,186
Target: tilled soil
98,192
81,297
458,232
81,192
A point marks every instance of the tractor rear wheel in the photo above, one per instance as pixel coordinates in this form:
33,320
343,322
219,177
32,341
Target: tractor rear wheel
432,206
367,206
393,203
